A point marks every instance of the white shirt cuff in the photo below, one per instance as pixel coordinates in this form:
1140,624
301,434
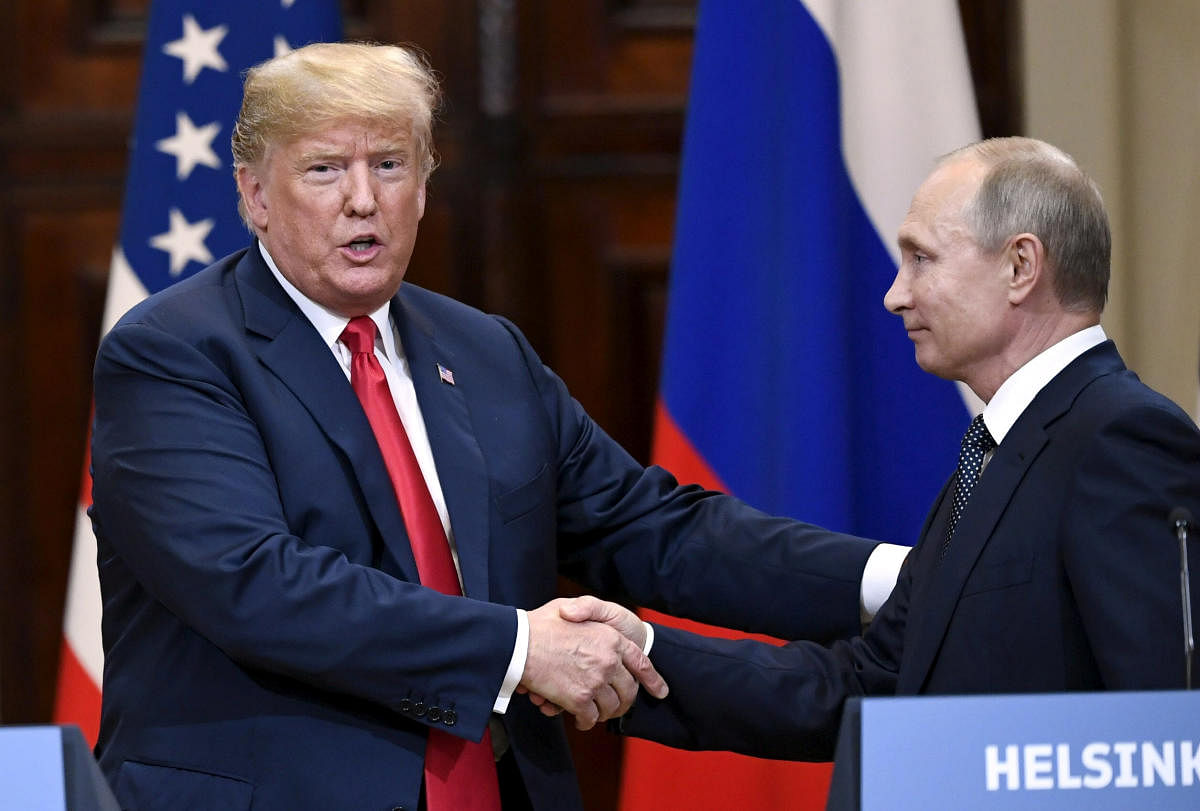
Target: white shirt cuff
516,665
879,577
649,637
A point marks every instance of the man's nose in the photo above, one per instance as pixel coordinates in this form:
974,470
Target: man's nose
897,297
360,191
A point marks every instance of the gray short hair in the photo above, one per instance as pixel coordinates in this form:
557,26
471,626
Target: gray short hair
1037,188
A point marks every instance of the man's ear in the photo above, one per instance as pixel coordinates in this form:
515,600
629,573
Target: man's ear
254,197
421,202
1026,258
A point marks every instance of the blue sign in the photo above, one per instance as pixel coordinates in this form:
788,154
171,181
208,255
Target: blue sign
31,769
1116,750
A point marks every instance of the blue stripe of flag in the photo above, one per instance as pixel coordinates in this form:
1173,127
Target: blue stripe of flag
152,187
781,365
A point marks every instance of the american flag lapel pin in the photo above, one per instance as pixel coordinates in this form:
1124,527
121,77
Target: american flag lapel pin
445,374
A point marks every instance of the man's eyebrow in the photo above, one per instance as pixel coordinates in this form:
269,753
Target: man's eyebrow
393,148
320,153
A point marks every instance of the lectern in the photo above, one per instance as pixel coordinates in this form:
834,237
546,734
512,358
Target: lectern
1116,750
50,768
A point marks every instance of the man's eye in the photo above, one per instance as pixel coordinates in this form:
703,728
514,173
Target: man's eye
389,164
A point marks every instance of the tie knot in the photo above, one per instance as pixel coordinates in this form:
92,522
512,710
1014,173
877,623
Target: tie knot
359,335
978,437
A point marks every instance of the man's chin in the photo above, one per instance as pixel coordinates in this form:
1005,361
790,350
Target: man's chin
929,364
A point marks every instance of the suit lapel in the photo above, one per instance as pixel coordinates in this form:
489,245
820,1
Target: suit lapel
934,602
458,457
293,350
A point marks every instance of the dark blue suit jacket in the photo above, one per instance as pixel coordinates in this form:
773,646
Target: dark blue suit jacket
1063,575
267,644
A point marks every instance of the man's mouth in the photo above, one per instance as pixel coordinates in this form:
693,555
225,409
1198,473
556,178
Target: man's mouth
362,245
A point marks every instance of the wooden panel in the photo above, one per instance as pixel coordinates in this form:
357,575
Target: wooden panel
66,116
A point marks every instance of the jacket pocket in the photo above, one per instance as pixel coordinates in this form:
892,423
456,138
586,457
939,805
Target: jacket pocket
991,576
150,786
523,498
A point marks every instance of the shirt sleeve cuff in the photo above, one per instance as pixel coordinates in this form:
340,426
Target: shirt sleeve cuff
879,577
516,665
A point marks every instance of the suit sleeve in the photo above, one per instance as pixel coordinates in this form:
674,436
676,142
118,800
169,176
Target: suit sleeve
783,702
186,499
1121,557
633,533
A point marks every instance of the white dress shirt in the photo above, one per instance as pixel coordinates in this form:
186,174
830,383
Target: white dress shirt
1018,391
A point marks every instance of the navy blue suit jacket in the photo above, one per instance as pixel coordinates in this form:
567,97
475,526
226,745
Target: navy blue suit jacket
1063,575
267,644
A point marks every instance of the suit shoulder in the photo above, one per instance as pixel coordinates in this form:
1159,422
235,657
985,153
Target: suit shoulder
193,298
1120,394
1120,408
451,316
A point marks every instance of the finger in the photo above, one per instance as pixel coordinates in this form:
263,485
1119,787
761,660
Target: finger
639,666
608,703
587,717
625,688
550,710
545,705
582,609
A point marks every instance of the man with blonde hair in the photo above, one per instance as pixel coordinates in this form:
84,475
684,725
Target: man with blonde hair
332,507
1047,562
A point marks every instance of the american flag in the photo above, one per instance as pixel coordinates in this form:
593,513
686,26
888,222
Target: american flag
179,214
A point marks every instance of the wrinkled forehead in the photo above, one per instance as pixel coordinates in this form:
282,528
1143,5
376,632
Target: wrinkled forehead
950,187
345,133
938,208
947,191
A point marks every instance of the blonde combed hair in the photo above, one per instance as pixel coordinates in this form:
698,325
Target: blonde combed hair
308,89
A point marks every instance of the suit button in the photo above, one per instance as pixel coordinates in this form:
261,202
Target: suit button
405,706
435,714
398,808
419,709
449,718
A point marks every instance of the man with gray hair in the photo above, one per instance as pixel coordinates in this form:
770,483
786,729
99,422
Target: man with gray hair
332,507
1047,562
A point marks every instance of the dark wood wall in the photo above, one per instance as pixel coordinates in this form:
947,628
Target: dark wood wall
553,205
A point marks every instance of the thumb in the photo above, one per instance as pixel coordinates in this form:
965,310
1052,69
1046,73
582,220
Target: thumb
584,609
640,667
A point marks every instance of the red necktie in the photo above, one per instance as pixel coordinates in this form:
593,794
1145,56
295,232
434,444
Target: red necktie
459,775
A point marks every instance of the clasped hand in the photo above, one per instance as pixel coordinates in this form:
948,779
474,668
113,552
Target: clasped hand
585,658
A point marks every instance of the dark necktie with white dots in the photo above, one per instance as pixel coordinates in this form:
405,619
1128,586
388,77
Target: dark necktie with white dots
975,444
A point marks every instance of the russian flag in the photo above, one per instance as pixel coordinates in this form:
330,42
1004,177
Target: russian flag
179,214
785,381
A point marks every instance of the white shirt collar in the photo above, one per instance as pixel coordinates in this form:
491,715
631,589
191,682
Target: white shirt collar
328,323
1018,391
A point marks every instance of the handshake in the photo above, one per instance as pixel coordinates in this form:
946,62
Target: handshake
585,658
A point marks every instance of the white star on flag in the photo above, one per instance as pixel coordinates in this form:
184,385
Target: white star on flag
191,145
184,241
282,47
288,3
198,48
